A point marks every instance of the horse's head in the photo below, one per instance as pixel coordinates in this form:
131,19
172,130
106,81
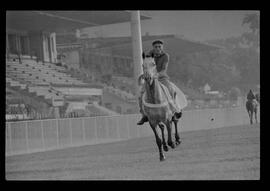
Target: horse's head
149,68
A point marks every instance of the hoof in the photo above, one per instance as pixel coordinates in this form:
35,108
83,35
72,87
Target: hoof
162,158
165,148
172,145
178,142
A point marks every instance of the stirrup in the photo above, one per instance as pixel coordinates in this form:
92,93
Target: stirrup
177,115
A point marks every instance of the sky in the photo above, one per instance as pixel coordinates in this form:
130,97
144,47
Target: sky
193,25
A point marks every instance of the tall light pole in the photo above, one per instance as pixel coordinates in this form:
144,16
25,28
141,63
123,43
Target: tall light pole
136,47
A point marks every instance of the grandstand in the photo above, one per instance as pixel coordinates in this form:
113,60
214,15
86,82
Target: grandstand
36,78
95,76
45,80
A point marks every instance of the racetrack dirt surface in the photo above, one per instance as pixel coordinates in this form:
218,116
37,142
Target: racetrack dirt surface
228,153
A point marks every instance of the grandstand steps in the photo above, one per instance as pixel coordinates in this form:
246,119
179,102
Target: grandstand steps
42,96
30,75
105,110
16,84
46,93
117,101
39,72
38,103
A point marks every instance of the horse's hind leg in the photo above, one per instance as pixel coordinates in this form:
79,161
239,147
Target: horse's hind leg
169,130
177,137
164,144
158,141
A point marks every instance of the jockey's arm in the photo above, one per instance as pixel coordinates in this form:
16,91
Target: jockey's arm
164,65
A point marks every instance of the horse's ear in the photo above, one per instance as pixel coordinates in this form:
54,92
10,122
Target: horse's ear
143,55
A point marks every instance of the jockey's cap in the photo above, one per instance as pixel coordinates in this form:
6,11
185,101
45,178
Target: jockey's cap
157,42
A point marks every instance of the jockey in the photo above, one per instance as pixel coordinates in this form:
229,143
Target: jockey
250,95
162,61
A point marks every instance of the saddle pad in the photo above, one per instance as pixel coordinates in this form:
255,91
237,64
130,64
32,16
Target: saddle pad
180,102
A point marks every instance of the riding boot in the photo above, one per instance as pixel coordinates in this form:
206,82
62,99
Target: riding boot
143,120
177,115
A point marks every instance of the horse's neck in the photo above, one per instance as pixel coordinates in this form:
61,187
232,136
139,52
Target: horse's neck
153,92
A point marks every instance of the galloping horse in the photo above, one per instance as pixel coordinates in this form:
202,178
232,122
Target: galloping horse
252,107
156,107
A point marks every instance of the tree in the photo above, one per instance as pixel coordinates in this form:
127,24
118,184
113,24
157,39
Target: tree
253,21
234,93
252,38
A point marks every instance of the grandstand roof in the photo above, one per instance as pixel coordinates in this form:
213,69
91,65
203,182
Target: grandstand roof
63,20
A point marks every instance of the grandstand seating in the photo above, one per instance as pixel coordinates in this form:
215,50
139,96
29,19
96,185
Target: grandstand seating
15,83
40,73
36,77
123,94
45,80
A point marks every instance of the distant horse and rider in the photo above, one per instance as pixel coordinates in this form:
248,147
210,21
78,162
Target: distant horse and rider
160,101
252,103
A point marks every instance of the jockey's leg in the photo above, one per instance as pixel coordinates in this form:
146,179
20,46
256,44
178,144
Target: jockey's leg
172,92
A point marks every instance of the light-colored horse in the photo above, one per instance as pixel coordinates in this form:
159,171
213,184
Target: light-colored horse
156,107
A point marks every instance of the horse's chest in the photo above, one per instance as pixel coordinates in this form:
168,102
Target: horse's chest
157,115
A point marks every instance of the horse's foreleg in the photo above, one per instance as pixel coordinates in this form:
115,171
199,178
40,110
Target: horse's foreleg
255,113
158,141
177,137
164,144
251,117
169,130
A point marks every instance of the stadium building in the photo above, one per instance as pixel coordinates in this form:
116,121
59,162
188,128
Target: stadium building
36,83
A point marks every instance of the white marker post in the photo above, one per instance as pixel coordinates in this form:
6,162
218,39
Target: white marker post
136,47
